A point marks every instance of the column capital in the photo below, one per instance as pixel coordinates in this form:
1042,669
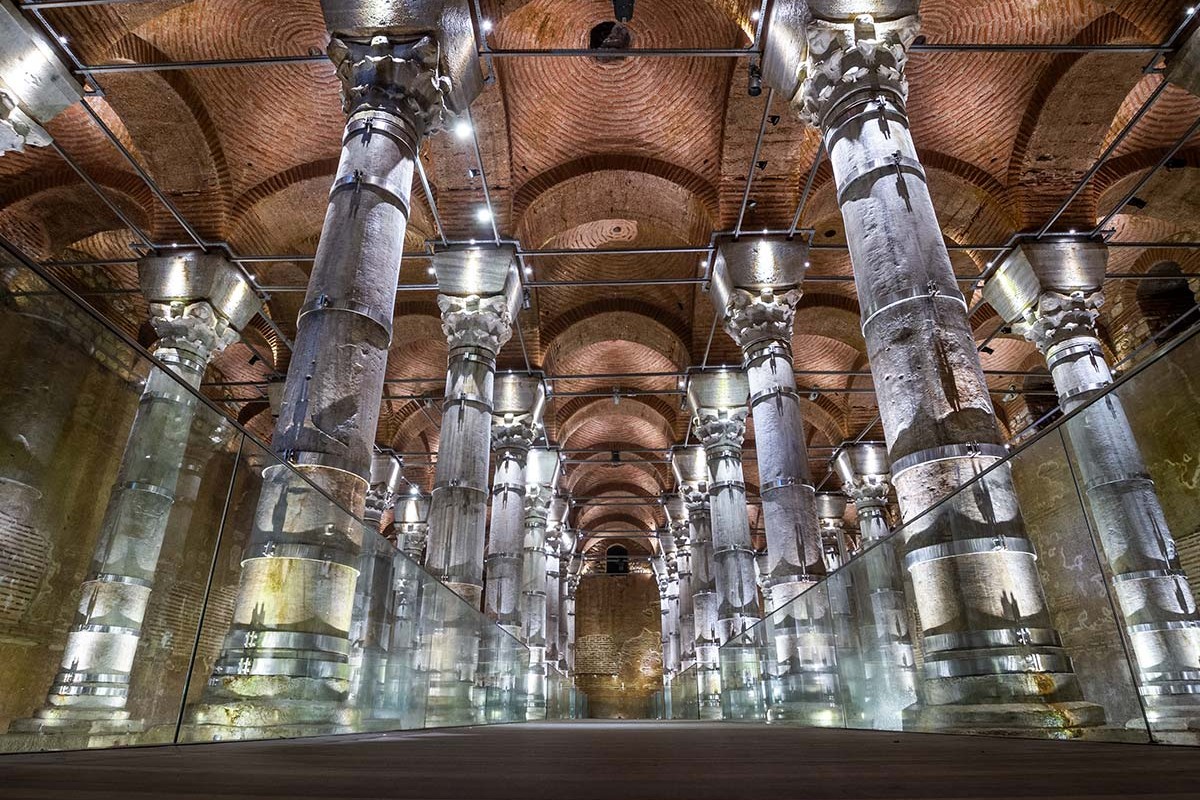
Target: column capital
194,326
386,472
721,428
386,74
513,434
863,56
753,318
1057,317
482,323
696,500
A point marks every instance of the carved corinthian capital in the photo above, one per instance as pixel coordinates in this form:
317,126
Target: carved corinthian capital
387,75
1058,316
195,327
723,429
845,58
755,317
484,323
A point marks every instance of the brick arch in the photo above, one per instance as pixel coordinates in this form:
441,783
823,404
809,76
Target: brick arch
538,185
634,471
50,207
656,428
1046,158
617,319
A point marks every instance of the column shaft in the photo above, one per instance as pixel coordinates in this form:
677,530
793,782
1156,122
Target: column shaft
989,642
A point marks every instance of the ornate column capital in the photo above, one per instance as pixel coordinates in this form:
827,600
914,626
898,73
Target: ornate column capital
537,503
721,428
753,318
513,434
868,490
193,326
482,323
389,75
1059,316
849,58
695,499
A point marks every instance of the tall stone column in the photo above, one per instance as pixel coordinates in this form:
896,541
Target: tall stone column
556,569
889,664
371,624
478,293
284,668
544,465
405,673
198,303
993,659
574,568
677,522
756,284
515,420
669,600
690,465
1051,292
719,411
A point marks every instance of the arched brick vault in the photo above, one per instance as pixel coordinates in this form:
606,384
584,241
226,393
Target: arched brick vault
584,153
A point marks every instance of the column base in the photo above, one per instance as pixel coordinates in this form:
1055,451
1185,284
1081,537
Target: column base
78,722
267,719
1068,720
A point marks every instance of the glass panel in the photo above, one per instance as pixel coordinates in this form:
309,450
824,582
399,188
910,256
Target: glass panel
113,480
1045,598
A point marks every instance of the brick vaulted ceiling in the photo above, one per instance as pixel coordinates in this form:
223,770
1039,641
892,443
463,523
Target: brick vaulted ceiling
581,153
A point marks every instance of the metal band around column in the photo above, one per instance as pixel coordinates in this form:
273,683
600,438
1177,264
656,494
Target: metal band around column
948,452
897,164
774,391
468,399
888,301
996,637
324,302
780,483
967,547
965,666
358,180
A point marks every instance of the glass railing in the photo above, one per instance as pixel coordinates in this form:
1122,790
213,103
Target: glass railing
1107,650
127,561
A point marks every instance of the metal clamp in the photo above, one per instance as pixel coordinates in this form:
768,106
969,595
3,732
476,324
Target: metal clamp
948,452
324,302
996,637
473,355
1166,625
965,666
108,577
897,163
739,485
932,293
515,488
465,399
968,547
1148,574
292,640
780,483
1087,347
1086,388
357,181
306,552
775,391
766,350
1120,477
444,486
368,125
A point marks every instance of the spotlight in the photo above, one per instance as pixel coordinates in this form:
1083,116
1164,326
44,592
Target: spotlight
754,15
755,87
462,129
62,39
484,214
486,26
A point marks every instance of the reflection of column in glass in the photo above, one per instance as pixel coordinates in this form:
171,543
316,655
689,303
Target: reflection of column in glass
405,672
574,567
669,600
371,624
889,665
544,466
691,476
478,294
566,633
993,659
831,510
198,302
516,416
677,529
1051,293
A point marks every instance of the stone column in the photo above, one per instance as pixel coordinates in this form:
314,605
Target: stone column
1051,293
993,659
556,569
515,422
831,510
756,284
284,668
544,468
372,623
718,404
669,598
889,664
198,303
677,521
691,475
405,674
478,293
573,569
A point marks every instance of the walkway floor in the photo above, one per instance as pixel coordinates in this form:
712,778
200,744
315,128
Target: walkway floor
615,761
